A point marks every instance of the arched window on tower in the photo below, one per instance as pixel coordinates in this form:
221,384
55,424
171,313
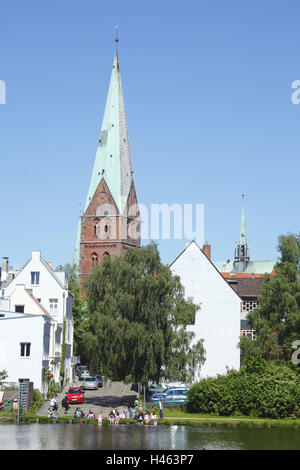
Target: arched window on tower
94,260
96,227
107,229
106,254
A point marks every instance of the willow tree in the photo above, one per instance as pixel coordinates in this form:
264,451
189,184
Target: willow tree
138,319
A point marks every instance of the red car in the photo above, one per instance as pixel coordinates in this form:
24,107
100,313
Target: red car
75,395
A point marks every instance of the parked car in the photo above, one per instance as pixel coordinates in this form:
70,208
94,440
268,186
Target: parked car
75,395
171,396
83,374
100,379
155,388
80,368
90,383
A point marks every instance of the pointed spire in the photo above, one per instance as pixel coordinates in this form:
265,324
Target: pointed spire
242,249
113,159
242,239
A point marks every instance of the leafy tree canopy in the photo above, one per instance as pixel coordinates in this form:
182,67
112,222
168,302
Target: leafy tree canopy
79,310
277,320
138,319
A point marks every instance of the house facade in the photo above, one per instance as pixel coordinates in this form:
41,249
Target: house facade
39,290
25,346
217,321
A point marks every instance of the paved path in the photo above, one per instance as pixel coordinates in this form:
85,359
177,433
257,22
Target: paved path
104,399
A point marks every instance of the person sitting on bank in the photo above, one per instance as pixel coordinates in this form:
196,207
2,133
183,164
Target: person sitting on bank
78,413
117,416
100,417
111,417
51,413
153,418
147,417
91,415
141,418
53,404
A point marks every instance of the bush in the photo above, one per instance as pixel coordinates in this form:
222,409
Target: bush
37,401
273,392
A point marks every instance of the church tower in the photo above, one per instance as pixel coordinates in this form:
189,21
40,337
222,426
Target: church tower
110,222
241,255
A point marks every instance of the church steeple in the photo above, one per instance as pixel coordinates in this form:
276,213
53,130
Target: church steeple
242,249
113,159
105,226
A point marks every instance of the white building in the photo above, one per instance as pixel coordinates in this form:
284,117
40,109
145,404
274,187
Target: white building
218,319
25,346
38,290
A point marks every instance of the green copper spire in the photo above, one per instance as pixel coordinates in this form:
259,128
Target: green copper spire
113,159
242,239
242,249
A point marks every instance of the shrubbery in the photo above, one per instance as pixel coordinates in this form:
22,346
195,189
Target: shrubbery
259,389
37,401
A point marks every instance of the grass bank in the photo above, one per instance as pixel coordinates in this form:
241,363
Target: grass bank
179,416
171,418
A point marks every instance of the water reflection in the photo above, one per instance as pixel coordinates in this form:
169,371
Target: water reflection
130,437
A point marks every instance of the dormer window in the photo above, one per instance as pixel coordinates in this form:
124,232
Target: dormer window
35,278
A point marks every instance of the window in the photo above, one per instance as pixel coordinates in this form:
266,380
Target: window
94,260
19,308
53,306
249,333
25,349
249,305
35,278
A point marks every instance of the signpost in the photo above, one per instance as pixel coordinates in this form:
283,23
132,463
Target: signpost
22,397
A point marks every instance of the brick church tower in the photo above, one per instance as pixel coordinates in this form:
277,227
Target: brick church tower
110,222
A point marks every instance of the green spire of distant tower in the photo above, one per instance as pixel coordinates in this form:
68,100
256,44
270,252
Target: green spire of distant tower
242,249
242,239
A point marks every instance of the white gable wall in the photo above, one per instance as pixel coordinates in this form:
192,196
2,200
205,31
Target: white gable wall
49,287
22,328
218,320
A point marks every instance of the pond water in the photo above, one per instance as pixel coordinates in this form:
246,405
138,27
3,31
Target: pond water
67,436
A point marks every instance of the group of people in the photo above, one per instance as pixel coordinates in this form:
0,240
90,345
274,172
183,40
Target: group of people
114,415
91,415
147,417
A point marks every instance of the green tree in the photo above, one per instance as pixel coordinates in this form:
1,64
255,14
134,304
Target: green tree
3,376
79,310
277,320
138,320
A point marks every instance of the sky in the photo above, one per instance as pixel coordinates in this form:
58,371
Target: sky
207,88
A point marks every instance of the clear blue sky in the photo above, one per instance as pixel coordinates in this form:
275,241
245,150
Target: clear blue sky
207,88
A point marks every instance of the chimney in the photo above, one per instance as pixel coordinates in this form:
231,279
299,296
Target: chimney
4,269
207,250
